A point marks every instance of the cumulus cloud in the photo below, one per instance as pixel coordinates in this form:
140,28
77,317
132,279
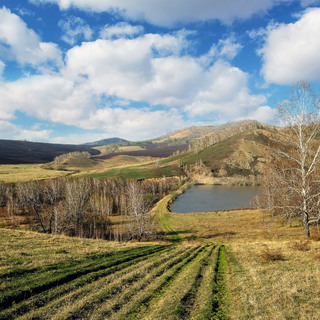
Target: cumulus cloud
46,97
264,114
224,93
148,68
18,42
131,122
103,81
291,51
74,28
120,30
168,12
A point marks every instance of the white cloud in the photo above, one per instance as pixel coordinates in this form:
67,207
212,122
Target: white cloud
134,123
103,80
291,51
75,28
45,97
224,93
120,30
227,49
169,12
2,66
11,131
264,114
148,68
18,42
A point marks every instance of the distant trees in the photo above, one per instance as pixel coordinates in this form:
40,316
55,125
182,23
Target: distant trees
81,154
291,186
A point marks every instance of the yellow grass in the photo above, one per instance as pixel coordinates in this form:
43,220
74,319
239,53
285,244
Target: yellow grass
115,162
111,148
284,289
25,172
130,148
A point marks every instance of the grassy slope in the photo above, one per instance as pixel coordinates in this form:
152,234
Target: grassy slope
252,145
248,145
256,289
25,172
54,277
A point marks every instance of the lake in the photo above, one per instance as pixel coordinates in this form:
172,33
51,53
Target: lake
212,198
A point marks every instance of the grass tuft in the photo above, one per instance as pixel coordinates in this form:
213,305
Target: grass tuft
267,254
301,245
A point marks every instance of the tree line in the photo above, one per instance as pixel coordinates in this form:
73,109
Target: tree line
83,206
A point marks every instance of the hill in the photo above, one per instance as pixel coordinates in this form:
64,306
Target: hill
22,152
187,135
104,142
233,153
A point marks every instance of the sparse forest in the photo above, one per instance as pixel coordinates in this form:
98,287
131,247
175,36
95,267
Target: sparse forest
82,207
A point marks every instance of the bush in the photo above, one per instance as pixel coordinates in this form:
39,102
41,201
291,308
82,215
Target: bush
301,245
271,255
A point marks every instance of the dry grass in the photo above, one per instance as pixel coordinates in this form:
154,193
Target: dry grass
301,245
11,173
267,255
273,272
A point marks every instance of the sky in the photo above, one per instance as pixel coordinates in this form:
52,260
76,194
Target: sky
75,71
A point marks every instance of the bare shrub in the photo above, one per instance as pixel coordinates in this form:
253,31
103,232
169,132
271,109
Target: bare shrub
301,245
271,255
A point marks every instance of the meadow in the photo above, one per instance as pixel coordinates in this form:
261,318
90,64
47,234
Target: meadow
12,173
216,265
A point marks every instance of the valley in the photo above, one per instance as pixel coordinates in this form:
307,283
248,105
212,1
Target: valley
226,264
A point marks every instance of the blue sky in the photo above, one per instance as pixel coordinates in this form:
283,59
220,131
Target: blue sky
73,71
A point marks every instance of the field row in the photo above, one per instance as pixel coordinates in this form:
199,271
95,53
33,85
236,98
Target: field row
154,282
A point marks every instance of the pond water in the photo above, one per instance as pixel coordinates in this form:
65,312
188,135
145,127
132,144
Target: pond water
212,198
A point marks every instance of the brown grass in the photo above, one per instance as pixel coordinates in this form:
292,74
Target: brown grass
302,245
10,173
271,255
273,273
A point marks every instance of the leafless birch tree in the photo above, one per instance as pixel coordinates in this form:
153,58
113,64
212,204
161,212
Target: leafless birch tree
293,186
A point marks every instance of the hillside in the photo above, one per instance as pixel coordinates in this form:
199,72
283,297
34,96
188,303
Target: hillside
104,142
235,153
187,135
15,152
235,150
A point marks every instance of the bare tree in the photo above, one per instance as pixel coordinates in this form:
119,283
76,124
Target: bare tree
77,195
52,193
30,195
140,222
3,197
293,186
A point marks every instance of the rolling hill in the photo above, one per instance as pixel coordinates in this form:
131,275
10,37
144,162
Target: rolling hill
104,142
21,152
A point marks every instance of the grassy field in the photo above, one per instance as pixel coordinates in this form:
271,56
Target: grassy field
272,271
54,277
10,173
121,166
214,265
142,171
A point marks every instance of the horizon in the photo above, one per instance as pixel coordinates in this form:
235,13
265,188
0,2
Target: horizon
74,71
